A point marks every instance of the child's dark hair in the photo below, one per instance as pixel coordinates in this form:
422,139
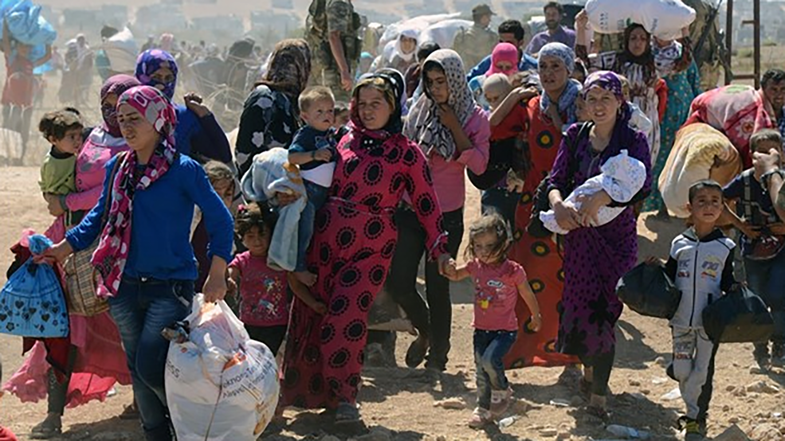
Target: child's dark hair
218,171
59,122
764,135
702,185
341,107
491,223
257,215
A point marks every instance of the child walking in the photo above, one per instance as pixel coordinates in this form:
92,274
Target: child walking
762,242
62,129
313,150
262,291
701,265
223,182
498,283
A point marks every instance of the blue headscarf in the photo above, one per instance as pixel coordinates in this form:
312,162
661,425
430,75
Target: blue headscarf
149,62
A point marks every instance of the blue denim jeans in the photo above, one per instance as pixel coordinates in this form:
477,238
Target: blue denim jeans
317,196
141,309
503,202
766,278
490,347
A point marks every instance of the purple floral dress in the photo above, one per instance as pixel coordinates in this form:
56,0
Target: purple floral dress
595,258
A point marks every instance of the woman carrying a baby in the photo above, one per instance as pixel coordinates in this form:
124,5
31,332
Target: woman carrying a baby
601,243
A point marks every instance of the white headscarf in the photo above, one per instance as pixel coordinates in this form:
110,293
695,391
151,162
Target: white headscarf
409,33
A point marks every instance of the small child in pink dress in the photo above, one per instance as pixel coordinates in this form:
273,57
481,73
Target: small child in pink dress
498,283
262,292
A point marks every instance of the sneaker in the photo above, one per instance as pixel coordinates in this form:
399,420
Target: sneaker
692,431
500,401
480,418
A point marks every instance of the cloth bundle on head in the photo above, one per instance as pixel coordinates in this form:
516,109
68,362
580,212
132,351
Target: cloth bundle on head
116,85
149,62
424,126
504,52
408,33
393,86
110,257
566,103
289,67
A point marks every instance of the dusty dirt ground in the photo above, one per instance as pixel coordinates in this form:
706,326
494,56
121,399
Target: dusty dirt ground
398,403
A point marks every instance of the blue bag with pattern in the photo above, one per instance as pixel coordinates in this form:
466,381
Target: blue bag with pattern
32,303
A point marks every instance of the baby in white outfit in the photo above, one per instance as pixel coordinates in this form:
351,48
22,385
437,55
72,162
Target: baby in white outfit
622,177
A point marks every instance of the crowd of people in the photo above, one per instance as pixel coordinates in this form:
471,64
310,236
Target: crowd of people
539,130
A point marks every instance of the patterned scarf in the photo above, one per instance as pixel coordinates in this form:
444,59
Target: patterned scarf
289,68
116,84
393,87
423,125
626,60
566,104
110,257
666,58
149,62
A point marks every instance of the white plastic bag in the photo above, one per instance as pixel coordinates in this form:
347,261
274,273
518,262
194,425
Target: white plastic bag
661,18
122,51
220,384
443,33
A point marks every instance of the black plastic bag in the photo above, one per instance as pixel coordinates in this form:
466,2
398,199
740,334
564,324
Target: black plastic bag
740,316
648,290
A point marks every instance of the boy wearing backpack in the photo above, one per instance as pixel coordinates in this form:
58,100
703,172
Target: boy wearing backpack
701,266
762,242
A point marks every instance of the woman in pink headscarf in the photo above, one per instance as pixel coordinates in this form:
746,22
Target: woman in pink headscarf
504,60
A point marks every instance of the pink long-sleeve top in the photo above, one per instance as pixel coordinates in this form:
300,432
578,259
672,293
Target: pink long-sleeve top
449,177
97,150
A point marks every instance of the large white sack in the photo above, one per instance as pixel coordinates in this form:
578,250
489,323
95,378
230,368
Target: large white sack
122,51
220,384
443,33
662,18
419,24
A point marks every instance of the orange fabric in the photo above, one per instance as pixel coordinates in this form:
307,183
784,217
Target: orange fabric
539,257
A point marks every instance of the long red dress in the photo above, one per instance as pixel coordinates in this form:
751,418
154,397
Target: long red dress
354,240
539,257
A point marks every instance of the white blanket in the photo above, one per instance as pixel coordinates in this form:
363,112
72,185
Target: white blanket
622,177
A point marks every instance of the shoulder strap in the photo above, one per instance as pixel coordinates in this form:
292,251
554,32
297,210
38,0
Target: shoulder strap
120,157
746,201
572,145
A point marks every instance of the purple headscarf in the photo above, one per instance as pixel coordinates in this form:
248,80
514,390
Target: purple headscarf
610,81
606,80
149,62
116,84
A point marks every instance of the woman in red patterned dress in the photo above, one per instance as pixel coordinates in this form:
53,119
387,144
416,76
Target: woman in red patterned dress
354,240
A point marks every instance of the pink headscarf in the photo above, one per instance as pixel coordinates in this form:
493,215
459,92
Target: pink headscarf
504,52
